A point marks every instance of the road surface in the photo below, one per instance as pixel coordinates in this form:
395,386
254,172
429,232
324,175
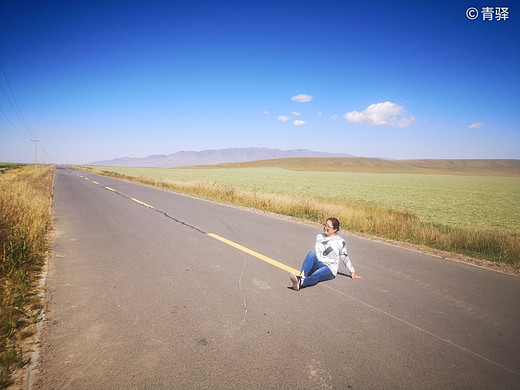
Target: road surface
153,290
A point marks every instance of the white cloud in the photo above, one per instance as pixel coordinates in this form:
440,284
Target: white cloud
381,114
283,118
298,122
266,112
296,113
319,113
302,98
476,125
335,116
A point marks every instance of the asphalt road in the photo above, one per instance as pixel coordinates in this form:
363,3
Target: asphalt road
144,297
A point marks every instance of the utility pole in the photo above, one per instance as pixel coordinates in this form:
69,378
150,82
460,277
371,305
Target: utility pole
35,153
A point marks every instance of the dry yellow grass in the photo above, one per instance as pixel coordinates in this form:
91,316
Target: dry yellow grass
25,221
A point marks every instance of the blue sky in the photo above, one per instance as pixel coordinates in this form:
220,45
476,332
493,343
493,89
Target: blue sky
104,79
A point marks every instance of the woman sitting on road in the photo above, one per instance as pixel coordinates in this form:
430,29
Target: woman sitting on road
323,265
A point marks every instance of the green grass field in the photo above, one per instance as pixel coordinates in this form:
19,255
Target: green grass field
486,202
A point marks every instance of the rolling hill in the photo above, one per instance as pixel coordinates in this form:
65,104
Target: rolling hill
370,165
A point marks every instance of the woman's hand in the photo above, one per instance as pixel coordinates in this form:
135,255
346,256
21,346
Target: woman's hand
355,276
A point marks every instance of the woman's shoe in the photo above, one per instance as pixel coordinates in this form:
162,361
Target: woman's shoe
295,281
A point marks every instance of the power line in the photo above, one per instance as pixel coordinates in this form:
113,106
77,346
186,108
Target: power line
35,153
19,114
49,160
17,110
11,123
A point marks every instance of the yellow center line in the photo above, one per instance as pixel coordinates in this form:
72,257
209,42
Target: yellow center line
144,204
235,245
255,254
95,182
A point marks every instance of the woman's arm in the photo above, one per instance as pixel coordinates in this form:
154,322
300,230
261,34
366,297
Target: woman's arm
346,260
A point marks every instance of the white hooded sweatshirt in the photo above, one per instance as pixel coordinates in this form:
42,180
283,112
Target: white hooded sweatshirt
330,250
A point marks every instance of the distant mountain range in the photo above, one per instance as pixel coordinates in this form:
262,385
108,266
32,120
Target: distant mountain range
211,157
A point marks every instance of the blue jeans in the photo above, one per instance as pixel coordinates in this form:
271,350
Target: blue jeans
315,271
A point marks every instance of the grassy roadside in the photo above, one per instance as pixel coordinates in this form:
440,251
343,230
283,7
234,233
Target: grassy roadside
25,222
495,245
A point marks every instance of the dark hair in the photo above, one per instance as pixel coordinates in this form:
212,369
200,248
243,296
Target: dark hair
335,223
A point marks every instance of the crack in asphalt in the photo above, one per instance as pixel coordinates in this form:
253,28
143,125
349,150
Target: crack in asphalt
161,212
